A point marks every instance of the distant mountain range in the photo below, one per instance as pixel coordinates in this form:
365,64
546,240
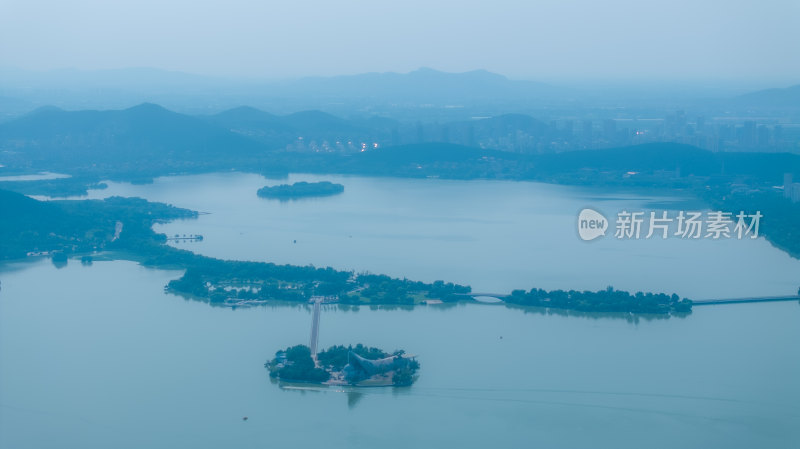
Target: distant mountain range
102,89
423,86
788,97
421,90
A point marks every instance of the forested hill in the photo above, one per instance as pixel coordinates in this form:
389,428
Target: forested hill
125,139
76,226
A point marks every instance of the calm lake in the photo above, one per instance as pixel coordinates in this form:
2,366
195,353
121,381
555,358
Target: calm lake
492,235
99,356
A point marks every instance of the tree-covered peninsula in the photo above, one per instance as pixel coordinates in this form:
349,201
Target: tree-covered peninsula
31,227
301,189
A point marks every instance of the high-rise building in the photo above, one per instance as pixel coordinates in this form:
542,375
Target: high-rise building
762,135
445,134
568,128
587,129
700,124
748,136
791,189
609,129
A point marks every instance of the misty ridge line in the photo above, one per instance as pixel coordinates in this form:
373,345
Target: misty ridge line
143,75
423,84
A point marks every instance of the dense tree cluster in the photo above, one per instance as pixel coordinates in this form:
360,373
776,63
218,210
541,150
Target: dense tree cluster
382,289
300,190
404,376
295,283
296,364
608,300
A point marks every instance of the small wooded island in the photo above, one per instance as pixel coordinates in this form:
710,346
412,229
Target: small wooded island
339,365
300,189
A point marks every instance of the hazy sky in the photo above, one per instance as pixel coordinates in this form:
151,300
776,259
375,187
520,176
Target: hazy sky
536,39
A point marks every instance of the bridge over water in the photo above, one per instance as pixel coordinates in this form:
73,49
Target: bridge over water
698,302
315,328
708,302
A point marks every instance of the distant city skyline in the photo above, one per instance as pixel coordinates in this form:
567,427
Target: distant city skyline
579,40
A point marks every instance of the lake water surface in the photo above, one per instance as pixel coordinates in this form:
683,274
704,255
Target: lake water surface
99,356
493,235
